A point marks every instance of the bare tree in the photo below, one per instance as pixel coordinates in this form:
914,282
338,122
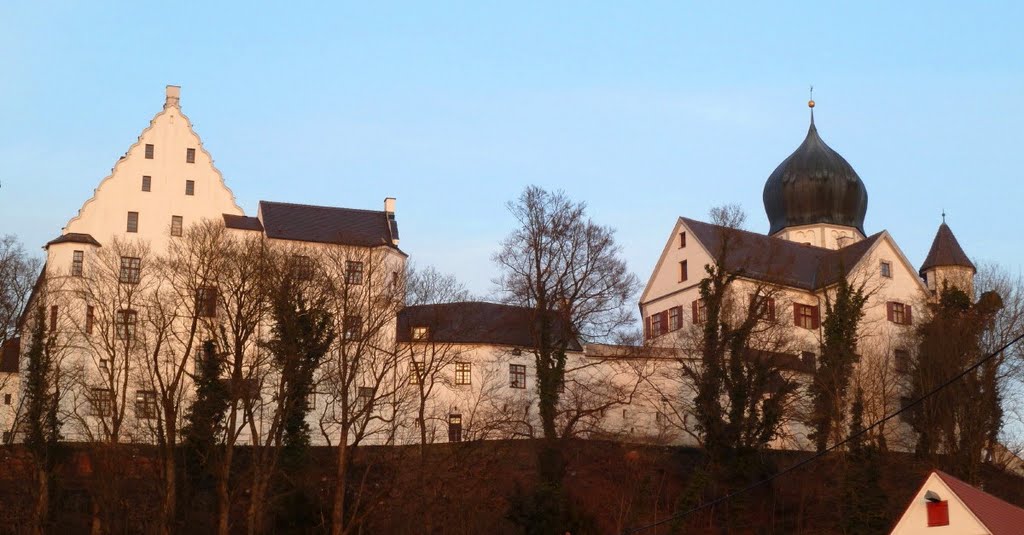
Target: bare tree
18,274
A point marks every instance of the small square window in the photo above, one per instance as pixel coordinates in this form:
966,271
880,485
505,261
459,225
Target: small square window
149,151
886,269
176,225
462,373
133,221
190,155
190,187
77,259
147,183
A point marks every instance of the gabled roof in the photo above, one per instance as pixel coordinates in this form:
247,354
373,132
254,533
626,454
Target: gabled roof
325,224
9,353
781,261
999,517
472,322
946,251
242,222
74,237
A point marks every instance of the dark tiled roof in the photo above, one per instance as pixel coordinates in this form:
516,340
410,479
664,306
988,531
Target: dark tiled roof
242,222
472,322
74,237
780,261
326,224
946,251
999,517
9,355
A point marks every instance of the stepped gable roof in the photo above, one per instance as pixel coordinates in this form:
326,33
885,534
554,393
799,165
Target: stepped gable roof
74,237
946,251
326,224
472,322
780,261
9,353
242,222
999,517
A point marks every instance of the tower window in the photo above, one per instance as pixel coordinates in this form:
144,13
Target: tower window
886,269
190,187
133,221
149,151
176,224
76,263
147,183
190,155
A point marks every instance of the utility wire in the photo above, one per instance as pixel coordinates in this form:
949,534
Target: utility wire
832,448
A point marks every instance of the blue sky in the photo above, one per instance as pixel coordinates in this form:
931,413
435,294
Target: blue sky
646,111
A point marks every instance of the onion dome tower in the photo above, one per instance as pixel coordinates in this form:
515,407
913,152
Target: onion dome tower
814,193
947,263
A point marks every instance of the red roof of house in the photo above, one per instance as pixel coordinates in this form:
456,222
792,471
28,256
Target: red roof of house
999,517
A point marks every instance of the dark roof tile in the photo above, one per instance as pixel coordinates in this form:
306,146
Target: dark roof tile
999,517
242,222
324,224
472,322
946,251
74,237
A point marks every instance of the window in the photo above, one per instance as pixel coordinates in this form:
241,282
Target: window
302,266
901,360
133,221
462,373
454,428
124,327
682,271
147,183
53,318
90,318
104,365
206,302
394,279
364,399
886,269
131,267
805,316
420,333
517,375
675,318
682,240
190,187
7,399
7,437
767,308
145,404
149,151
77,259
938,513
808,361
190,155
176,225
102,401
353,272
352,328
416,371
898,313
699,311
658,324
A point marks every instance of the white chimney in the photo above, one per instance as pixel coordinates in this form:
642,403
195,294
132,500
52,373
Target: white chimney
389,205
173,95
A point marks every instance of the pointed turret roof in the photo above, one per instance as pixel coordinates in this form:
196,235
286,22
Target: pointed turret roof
946,251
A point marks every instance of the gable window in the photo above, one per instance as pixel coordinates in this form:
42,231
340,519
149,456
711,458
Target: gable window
77,258
145,404
147,183
133,221
898,313
102,401
416,371
190,155
352,328
885,268
901,360
353,272
699,311
420,333
302,267
124,327
517,375
454,428
149,151
682,271
176,225
206,302
766,310
90,318
675,318
806,316
682,240
190,187
131,268
53,318
462,373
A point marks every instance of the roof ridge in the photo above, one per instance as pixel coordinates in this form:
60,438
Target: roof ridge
325,207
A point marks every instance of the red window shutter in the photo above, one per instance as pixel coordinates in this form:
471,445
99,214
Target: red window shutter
696,312
817,318
796,314
647,327
664,322
888,310
938,514
770,303
908,319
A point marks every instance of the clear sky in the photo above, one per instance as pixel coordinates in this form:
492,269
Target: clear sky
646,111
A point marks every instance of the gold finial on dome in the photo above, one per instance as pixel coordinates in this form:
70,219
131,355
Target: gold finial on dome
810,103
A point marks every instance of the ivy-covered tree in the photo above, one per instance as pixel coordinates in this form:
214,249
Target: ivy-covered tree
204,422
41,425
863,500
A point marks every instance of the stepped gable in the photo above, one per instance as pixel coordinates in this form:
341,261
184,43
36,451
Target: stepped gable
473,322
326,224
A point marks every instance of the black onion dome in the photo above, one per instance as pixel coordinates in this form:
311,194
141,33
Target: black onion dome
815,185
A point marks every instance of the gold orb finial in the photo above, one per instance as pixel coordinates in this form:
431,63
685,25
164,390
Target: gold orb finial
810,103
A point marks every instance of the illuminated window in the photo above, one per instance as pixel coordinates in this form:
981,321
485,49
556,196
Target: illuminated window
420,333
416,371
454,428
462,373
145,404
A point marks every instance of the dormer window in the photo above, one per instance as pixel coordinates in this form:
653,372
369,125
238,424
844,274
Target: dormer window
420,333
885,268
190,155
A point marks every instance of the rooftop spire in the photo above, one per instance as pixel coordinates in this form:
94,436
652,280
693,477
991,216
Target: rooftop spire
946,251
810,104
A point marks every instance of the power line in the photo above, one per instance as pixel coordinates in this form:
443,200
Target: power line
832,448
